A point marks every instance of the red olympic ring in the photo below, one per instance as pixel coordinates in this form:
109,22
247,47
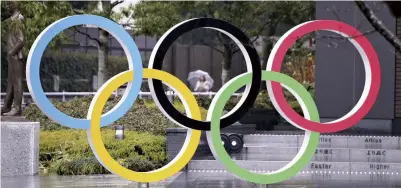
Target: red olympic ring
372,76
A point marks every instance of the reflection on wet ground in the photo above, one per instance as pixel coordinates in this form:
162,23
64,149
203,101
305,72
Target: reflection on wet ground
193,179
348,166
224,179
103,181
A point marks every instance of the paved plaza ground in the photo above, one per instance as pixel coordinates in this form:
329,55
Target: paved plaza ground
199,180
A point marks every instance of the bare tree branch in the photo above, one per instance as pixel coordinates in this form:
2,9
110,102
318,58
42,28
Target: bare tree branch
115,3
255,15
334,12
82,45
211,46
260,31
87,35
330,43
219,37
69,36
236,49
341,37
131,26
378,25
127,23
130,17
78,11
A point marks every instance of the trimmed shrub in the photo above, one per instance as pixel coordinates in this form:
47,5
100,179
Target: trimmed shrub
140,165
67,152
82,166
262,101
144,116
77,107
91,165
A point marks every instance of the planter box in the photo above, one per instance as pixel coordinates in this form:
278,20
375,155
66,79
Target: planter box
175,140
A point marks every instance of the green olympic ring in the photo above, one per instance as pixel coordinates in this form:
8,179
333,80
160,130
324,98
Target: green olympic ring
309,145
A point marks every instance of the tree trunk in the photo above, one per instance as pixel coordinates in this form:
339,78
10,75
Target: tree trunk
227,59
378,25
267,48
103,53
225,75
226,70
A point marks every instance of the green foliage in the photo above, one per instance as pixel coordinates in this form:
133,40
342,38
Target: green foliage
7,8
37,16
204,101
67,152
76,107
90,165
79,166
155,18
92,7
300,67
180,107
40,14
293,101
144,116
255,19
140,165
262,101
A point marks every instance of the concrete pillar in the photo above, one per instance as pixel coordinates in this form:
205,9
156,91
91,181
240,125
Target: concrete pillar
19,147
94,83
56,83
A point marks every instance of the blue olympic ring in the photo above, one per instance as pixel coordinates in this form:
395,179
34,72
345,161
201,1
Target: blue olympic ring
35,56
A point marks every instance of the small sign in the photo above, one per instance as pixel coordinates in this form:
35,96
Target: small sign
373,142
320,166
119,132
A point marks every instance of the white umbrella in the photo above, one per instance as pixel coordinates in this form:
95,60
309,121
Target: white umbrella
194,77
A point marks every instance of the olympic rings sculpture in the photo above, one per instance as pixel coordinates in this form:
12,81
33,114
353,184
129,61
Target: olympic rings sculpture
252,79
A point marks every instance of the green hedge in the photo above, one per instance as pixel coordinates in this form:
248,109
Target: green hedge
67,152
144,116
71,67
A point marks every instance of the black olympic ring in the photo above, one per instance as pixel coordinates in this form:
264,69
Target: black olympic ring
168,40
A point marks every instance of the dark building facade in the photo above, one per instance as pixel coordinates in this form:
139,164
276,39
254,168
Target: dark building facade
180,60
340,73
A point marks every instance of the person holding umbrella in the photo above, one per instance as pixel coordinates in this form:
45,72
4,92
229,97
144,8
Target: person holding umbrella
202,85
200,81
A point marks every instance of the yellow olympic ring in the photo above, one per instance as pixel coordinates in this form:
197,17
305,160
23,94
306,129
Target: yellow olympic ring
97,145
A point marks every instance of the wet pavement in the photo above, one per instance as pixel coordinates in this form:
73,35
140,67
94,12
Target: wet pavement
103,181
343,156
224,179
194,179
